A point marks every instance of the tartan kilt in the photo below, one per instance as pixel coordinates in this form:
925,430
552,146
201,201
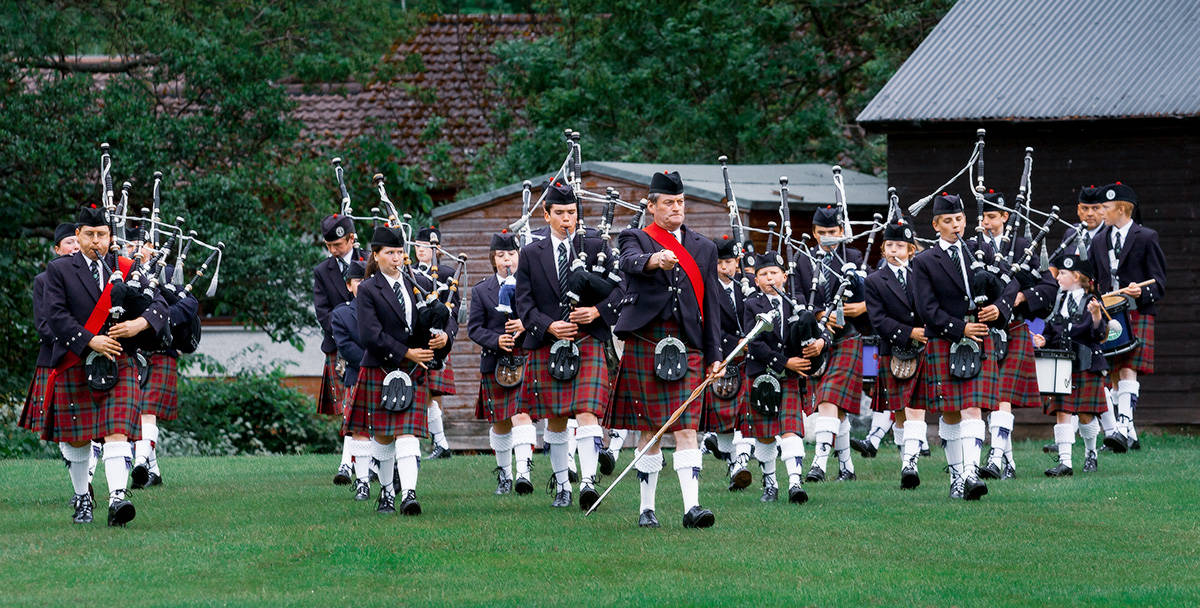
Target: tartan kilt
791,412
643,402
364,414
32,411
892,394
496,403
1086,396
841,384
1140,359
441,381
544,397
719,415
941,393
1017,373
329,403
160,396
77,413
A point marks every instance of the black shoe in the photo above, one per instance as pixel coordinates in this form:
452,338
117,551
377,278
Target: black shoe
572,476
410,506
608,462
1060,470
372,475
974,488
523,486
1010,471
386,502
713,447
503,482
1091,463
344,476
588,496
770,492
1116,442
121,512
438,452
797,495
647,519
1137,445
91,492
864,447
956,487
83,508
362,490
815,475
562,499
740,476
909,479
139,476
698,517
925,452
846,475
155,480
990,471
1049,448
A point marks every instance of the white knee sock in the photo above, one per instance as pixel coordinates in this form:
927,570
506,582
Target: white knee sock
502,446
436,428
647,472
77,465
572,445
1001,424
385,457
557,440
1108,419
616,440
1064,437
826,429
725,442
118,459
742,445
914,432
360,450
791,452
94,459
951,435
1089,432
898,435
144,447
523,438
810,427
408,461
1127,391
881,422
973,431
765,454
841,446
1074,423
589,440
347,455
687,467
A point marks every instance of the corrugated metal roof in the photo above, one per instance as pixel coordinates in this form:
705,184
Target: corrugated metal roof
1050,60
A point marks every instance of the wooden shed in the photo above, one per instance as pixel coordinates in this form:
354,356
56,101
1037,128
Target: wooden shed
467,227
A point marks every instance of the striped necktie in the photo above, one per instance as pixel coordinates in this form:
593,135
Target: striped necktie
563,267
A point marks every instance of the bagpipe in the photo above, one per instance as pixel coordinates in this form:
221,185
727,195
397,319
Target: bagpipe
510,367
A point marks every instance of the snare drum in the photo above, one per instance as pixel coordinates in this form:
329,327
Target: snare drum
1118,307
1053,370
870,359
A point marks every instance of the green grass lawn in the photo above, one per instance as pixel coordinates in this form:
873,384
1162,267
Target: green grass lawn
275,531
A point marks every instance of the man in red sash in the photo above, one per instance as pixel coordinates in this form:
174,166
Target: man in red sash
671,325
78,301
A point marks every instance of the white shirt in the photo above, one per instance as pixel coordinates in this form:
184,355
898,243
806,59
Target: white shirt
728,287
898,270
554,242
1075,295
408,303
1113,260
962,258
95,264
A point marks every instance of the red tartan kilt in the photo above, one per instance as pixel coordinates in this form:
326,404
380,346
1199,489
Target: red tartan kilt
544,397
791,412
33,410
1086,397
495,403
77,413
1017,373
643,402
160,396
441,381
719,415
892,394
945,394
1140,359
329,403
841,384
364,414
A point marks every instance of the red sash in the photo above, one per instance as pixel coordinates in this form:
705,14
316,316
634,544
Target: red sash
690,268
94,323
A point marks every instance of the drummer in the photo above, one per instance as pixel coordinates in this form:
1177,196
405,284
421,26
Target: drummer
1125,255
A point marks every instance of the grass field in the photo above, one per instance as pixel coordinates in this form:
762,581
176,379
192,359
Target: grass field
274,531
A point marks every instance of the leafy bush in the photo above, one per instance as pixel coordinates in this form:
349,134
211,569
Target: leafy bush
16,442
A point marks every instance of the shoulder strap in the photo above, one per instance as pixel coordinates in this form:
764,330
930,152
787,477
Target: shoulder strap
686,261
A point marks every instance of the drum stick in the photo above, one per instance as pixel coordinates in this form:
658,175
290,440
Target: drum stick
1146,283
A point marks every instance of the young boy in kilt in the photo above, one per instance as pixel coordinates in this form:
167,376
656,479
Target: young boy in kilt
1017,372
441,381
548,317
343,321
892,308
497,331
329,291
77,298
1077,326
672,298
387,318
1124,254
720,416
839,390
941,283
766,355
